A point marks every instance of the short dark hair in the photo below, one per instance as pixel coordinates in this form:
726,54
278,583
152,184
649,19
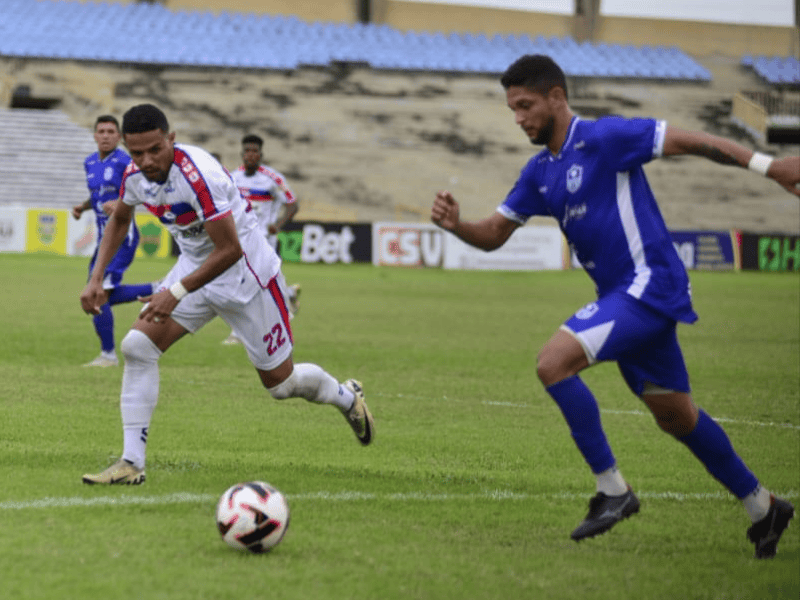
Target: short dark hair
144,117
536,72
253,139
107,119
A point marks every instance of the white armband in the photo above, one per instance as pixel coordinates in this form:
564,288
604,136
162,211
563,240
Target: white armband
760,163
177,290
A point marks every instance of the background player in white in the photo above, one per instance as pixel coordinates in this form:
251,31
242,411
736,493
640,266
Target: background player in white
104,170
226,269
272,200
590,178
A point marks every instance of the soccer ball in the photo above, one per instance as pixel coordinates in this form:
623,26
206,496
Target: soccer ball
252,516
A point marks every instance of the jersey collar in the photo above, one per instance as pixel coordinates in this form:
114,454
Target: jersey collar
570,134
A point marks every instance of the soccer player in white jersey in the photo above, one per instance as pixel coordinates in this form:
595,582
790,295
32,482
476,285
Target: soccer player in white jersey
589,177
104,170
225,268
272,200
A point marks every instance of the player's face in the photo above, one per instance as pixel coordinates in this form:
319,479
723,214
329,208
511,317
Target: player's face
153,152
533,112
251,156
106,136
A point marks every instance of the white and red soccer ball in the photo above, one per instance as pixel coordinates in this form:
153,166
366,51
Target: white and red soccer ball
252,516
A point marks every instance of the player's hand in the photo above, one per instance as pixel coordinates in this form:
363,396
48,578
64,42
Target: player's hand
786,171
445,211
77,211
272,230
93,297
159,306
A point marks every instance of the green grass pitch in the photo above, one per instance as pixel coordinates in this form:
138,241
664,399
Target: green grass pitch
471,488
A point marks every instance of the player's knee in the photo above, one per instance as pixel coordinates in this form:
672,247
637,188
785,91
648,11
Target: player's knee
548,368
285,389
137,347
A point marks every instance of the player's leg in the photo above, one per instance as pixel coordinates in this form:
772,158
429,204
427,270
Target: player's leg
601,331
104,328
117,293
658,374
263,326
142,348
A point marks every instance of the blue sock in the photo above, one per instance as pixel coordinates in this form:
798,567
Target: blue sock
104,326
129,293
579,407
709,443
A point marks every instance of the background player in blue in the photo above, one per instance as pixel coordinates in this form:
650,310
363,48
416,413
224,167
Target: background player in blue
104,170
590,178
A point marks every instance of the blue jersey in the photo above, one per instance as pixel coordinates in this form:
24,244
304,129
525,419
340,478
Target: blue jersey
103,178
597,190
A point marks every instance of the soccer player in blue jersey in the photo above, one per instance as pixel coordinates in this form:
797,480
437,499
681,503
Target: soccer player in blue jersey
589,177
104,170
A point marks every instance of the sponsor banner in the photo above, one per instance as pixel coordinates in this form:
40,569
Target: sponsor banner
770,252
154,239
407,245
530,248
46,231
12,229
329,243
81,234
706,250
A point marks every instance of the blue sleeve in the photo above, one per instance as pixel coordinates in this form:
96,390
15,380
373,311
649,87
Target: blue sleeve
627,143
524,200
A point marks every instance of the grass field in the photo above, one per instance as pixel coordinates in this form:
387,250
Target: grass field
471,488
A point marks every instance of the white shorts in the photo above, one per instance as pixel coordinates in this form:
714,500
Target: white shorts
262,323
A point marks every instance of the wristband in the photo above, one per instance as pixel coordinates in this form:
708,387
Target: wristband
760,163
177,290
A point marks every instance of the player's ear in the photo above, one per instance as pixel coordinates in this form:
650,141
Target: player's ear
171,137
557,94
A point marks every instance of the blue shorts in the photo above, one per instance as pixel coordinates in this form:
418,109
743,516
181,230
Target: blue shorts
643,342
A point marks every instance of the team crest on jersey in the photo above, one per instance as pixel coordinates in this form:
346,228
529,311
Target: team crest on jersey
588,311
574,178
108,173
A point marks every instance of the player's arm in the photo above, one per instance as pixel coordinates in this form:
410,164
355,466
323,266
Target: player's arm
79,209
108,207
785,171
93,295
287,214
227,251
487,234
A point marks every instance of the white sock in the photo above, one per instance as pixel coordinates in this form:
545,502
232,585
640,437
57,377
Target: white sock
611,482
110,355
757,503
140,379
313,383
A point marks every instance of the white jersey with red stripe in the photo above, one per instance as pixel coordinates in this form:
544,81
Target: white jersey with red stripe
198,189
267,191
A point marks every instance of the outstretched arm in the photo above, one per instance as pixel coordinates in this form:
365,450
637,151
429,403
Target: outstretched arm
785,171
487,234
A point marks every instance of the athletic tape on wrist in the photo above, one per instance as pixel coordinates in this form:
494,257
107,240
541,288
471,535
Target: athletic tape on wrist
760,163
178,290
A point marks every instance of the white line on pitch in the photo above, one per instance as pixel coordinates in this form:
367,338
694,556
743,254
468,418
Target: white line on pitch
350,496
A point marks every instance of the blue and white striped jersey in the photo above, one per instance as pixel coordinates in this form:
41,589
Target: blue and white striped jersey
597,190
